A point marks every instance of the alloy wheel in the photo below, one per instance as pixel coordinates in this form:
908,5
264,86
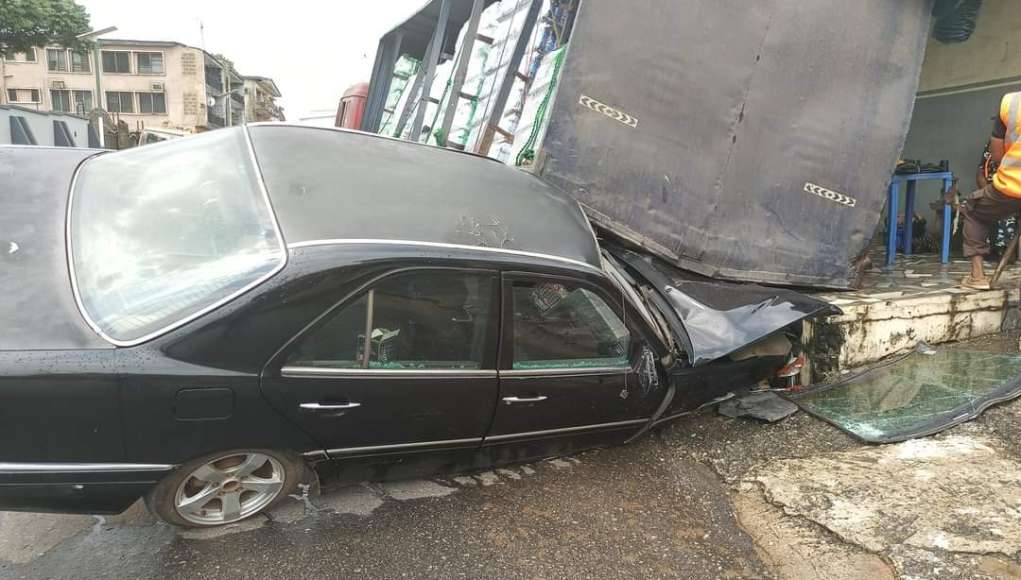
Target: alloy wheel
229,488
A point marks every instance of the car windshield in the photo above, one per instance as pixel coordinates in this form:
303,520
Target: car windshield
162,233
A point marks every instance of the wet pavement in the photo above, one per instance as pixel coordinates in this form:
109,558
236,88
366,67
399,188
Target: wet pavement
708,497
628,512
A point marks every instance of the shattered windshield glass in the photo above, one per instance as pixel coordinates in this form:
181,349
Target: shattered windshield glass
918,395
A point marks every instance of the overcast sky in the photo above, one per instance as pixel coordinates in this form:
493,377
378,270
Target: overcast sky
312,49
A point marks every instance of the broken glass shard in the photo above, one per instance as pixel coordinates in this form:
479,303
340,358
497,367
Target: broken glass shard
917,395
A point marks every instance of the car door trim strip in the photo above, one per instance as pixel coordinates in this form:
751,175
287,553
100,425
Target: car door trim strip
400,446
82,467
299,371
563,372
442,245
530,434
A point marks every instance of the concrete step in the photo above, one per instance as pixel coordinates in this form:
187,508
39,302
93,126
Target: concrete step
874,327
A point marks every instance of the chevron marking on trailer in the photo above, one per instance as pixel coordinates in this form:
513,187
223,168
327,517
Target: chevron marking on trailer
615,114
830,195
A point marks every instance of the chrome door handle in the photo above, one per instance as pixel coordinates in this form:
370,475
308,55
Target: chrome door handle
329,407
512,400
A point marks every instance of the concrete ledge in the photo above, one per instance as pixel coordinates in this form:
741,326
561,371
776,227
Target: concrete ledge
878,326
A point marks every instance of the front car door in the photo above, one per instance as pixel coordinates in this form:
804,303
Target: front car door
407,363
570,364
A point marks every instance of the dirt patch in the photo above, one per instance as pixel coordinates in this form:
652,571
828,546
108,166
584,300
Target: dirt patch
26,536
798,550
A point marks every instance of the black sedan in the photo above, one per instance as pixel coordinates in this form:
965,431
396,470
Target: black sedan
204,321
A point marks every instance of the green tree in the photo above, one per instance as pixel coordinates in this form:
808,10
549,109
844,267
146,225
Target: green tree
28,23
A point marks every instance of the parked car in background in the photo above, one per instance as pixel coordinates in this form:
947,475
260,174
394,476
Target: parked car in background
200,321
149,135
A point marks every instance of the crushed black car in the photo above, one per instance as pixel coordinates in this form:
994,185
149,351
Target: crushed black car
200,322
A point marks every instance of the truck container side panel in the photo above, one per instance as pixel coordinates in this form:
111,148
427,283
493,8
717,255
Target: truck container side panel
751,141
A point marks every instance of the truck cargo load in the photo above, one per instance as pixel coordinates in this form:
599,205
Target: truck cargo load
743,141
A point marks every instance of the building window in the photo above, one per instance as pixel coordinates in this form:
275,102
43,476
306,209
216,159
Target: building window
11,56
152,103
80,62
61,101
82,101
116,61
214,78
56,59
23,95
149,63
117,102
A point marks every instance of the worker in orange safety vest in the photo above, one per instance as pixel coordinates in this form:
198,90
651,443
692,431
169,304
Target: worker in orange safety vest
1001,197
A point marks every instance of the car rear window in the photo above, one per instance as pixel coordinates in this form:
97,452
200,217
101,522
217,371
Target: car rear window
162,233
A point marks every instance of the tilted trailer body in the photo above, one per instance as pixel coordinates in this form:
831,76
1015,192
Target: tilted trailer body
748,141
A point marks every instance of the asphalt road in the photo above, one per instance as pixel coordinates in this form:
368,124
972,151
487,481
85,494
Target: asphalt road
708,497
628,512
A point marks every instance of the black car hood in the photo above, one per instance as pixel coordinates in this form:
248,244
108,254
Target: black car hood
712,319
38,309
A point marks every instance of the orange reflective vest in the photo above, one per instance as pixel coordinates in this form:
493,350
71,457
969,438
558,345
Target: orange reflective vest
1008,176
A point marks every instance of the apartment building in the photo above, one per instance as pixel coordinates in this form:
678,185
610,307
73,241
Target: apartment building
261,94
142,83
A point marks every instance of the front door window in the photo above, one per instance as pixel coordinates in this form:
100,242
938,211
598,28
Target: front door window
560,326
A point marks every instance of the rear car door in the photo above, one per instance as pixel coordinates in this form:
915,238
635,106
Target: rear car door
408,363
570,364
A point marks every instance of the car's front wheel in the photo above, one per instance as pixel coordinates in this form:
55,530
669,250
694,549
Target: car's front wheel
224,487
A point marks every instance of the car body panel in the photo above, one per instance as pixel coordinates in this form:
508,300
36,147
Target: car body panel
175,411
387,410
698,386
394,413
216,383
60,406
98,488
38,310
572,400
719,318
327,184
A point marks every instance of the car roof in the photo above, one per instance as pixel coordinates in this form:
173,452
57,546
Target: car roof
336,186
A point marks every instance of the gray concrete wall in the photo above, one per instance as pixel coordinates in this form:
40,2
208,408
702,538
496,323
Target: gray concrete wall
991,53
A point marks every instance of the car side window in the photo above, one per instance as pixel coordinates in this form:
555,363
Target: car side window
419,320
558,325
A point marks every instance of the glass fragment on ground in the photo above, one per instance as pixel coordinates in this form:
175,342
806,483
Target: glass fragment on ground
918,395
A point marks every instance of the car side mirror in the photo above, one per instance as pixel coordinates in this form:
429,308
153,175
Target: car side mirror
646,368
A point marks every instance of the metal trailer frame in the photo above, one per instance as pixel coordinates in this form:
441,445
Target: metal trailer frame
507,83
412,37
461,70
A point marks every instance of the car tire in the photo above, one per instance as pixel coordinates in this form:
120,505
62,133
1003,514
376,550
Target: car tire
226,487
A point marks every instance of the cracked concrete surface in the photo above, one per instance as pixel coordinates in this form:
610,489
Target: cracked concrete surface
953,494
795,548
820,504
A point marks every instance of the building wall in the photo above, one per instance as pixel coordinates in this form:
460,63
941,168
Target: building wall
183,79
990,54
959,94
260,104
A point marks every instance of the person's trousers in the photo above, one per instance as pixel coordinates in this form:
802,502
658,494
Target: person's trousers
980,212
